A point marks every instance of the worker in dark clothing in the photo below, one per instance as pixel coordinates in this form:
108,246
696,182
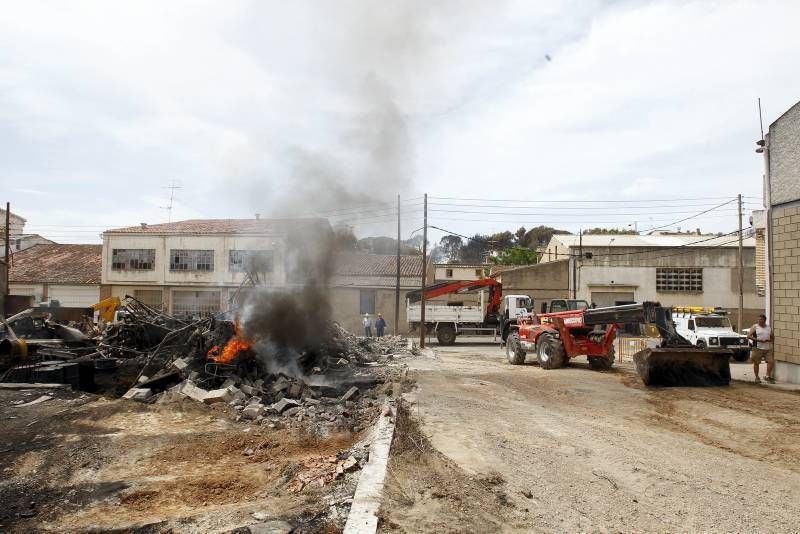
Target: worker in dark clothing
380,324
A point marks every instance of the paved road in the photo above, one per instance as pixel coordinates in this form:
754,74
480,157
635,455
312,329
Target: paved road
599,451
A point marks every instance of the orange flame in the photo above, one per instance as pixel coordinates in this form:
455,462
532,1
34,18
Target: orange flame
234,346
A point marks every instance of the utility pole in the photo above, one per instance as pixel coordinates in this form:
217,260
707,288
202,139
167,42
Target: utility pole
741,269
424,254
7,290
397,281
575,267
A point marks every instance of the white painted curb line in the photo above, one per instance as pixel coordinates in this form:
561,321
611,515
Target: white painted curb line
363,516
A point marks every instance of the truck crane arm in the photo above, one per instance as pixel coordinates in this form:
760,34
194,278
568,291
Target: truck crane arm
461,286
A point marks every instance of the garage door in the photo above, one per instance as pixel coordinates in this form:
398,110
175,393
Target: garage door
611,298
75,296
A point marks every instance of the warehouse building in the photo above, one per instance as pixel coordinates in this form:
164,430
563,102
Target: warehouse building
782,223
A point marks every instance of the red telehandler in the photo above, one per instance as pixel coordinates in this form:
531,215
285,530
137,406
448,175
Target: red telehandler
557,337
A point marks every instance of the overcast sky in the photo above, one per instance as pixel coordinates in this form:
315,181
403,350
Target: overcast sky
308,107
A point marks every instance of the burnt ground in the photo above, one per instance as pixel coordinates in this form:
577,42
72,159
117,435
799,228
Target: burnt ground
84,463
522,449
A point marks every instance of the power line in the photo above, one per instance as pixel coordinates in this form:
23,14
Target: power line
573,201
693,216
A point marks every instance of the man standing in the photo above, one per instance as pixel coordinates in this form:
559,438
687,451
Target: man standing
761,335
380,324
367,322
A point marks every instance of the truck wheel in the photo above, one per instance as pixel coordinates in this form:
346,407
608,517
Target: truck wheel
549,352
601,364
514,353
446,335
701,344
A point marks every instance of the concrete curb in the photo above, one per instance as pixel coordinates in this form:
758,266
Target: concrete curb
363,516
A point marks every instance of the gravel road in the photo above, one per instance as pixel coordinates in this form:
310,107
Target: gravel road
597,451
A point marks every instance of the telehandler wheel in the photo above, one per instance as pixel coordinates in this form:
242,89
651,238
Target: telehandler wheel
741,355
446,335
514,353
549,352
599,363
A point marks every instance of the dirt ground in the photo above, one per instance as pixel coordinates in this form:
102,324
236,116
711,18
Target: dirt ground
82,463
519,448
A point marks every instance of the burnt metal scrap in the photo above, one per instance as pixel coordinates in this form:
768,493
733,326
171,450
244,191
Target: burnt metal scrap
149,349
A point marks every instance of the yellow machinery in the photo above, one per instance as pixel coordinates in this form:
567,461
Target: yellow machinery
106,308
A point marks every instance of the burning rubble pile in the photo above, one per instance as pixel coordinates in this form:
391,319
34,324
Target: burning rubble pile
154,357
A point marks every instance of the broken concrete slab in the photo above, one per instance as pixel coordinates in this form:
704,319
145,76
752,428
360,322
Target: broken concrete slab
281,384
219,395
228,382
26,385
138,394
295,390
283,404
291,412
350,394
253,410
249,390
189,389
38,400
180,364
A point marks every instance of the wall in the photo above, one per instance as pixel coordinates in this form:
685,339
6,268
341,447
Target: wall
69,295
786,282
784,157
636,274
16,224
346,305
459,272
221,245
542,282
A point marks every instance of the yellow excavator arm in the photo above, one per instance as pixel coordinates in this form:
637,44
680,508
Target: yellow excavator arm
107,308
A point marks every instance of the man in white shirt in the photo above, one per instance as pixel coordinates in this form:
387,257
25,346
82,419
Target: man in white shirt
761,334
367,323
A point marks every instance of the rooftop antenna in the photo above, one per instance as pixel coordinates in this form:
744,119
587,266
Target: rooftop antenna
760,119
172,187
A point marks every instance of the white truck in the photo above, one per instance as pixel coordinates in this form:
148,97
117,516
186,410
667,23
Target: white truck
492,316
710,327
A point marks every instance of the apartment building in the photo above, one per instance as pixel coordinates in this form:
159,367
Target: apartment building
199,267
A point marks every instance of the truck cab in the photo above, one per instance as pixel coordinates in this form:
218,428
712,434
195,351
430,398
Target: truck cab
710,327
560,305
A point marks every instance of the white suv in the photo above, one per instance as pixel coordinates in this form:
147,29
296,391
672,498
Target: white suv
711,329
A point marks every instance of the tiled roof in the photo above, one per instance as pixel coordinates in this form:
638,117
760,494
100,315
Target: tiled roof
220,226
57,264
360,264
406,282
463,265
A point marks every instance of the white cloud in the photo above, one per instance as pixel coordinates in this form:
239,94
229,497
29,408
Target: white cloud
115,100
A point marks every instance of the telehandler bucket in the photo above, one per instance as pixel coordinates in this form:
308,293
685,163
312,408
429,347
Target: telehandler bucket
683,366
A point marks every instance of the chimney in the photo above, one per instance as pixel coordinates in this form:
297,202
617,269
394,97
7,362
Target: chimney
144,225
258,216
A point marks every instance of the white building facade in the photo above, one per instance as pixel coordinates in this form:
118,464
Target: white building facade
676,270
197,267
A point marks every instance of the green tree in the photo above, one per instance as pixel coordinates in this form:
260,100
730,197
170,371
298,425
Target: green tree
515,256
609,231
540,236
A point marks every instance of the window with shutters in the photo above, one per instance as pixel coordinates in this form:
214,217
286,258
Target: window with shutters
133,259
248,261
191,260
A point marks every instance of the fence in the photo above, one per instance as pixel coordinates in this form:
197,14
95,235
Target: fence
626,346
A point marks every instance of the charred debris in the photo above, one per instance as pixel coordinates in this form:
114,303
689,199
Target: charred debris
150,356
